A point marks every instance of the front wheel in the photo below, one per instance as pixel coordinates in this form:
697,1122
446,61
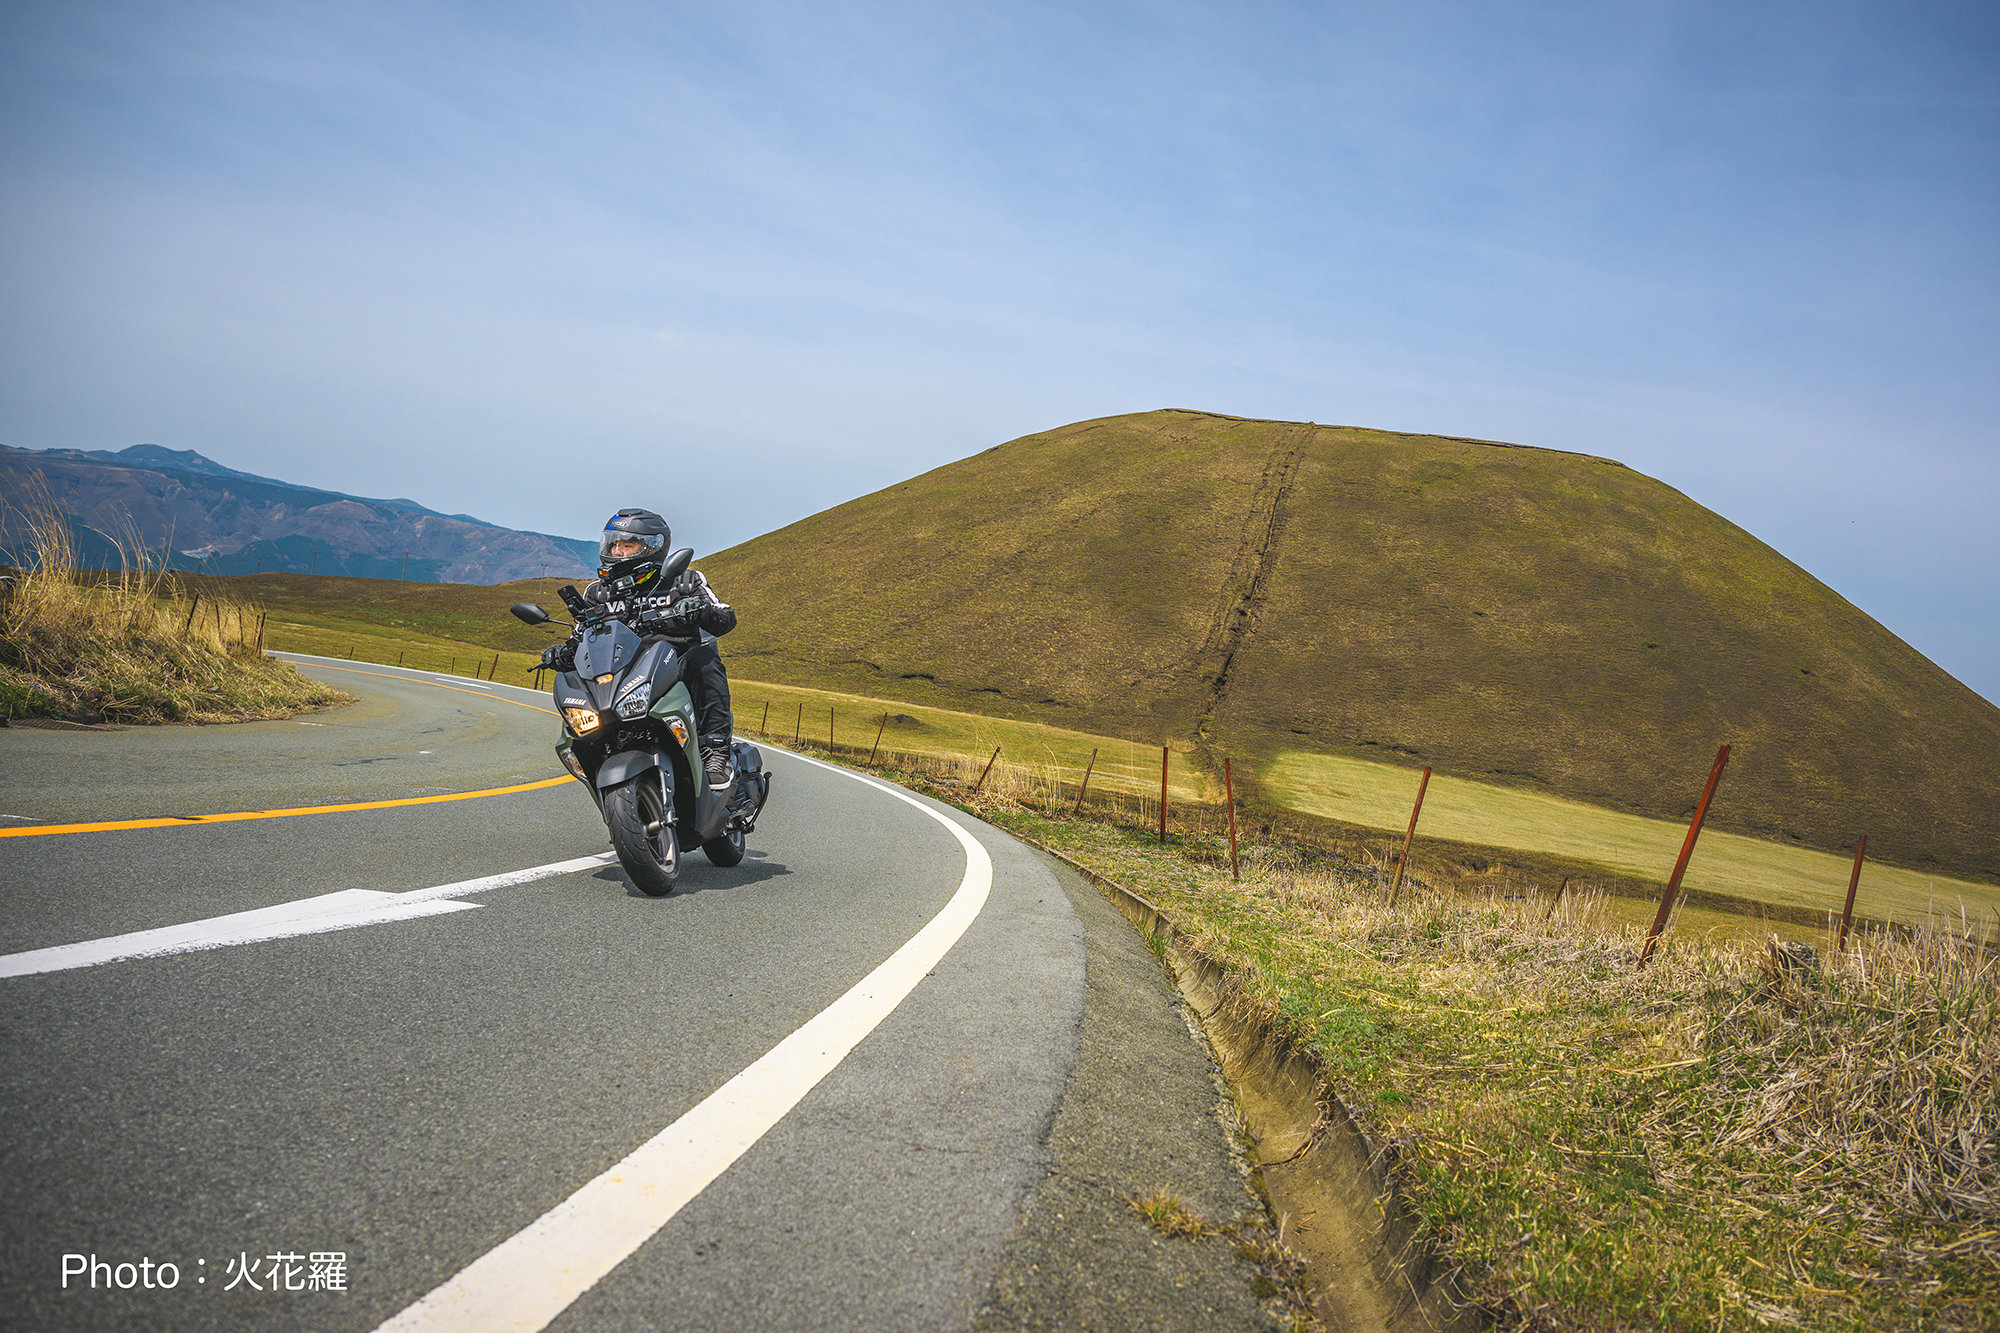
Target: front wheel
636,815
726,850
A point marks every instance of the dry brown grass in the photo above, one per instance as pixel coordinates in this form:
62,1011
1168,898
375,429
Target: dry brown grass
128,647
1872,1089
1165,1213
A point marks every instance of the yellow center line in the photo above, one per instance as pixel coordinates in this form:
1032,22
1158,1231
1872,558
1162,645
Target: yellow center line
177,821
181,821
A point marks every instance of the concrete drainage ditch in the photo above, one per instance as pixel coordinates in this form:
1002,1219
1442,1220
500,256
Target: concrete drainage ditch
1319,1169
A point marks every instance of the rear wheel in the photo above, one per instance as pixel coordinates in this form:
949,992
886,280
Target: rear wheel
726,850
635,813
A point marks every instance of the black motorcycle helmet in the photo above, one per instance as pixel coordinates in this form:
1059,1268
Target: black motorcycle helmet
634,543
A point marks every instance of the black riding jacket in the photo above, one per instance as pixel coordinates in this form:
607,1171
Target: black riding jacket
654,613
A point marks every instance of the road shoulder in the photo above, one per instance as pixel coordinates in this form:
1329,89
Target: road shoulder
1142,1112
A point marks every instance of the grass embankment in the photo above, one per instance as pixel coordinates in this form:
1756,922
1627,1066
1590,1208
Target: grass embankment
1730,1138
131,647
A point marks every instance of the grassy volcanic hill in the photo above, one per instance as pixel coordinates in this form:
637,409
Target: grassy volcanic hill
1541,619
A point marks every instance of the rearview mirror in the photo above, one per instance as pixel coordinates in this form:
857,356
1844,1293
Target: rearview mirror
677,564
529,613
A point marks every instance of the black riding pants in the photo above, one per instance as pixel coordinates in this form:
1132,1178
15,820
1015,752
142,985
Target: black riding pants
709,684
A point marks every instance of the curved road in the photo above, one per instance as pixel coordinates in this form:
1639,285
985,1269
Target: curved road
410,1093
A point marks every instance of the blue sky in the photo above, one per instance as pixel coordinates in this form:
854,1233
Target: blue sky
744,262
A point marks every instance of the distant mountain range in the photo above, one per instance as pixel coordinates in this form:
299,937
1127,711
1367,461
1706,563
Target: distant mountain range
191,512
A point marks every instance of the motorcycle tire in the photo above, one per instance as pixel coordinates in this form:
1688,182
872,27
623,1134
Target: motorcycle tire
641,835
726,850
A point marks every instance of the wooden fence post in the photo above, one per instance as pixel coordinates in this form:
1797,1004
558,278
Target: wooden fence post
829,728
1163,794
1853,883
764,727
189,622
988,769
1687,851
878,737
1409,836
1555,901
1229,790
798,721
1086,783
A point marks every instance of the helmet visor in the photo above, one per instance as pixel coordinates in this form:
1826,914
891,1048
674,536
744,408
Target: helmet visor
614,546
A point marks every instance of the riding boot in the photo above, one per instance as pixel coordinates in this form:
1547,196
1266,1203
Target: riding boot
717,765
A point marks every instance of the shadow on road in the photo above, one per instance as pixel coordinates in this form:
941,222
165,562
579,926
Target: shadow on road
698,876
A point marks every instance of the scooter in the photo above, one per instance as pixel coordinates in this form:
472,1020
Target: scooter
628,735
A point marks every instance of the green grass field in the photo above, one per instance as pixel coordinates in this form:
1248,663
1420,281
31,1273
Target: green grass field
1377,795
912,729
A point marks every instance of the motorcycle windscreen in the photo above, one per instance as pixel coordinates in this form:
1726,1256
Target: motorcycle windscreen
606,650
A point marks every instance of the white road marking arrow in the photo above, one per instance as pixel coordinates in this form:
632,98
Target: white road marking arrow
307,916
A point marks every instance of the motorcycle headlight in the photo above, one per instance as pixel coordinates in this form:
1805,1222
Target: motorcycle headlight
582,721
633,705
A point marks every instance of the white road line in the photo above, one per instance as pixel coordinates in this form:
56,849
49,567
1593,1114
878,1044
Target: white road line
417,674
307,916
534,1275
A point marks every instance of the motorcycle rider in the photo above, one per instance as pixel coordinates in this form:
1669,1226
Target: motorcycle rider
687,614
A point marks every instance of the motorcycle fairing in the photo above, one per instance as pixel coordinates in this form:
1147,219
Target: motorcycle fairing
608,647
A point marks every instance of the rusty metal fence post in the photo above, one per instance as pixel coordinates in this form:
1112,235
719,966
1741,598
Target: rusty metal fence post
1085,786
798,721
1229,791
1853,883
878,737
1687,851
1409,836
764,727
1163,794
988,769
1556,901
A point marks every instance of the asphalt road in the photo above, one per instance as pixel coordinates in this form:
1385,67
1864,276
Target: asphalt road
412,1093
